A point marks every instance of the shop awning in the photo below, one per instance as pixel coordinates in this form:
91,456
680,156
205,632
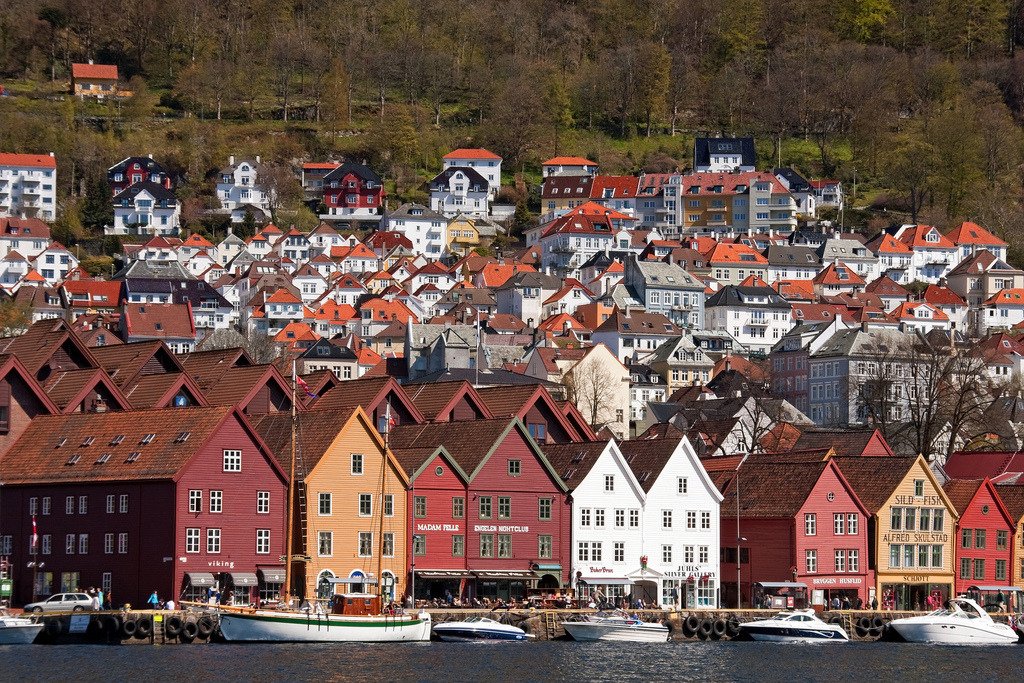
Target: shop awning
442,574
1005,589
547,567
605,581
362,580
272,574
513,574
781,584
243,579
200,579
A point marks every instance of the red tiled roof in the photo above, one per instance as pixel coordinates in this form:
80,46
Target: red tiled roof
94,71
1014,297
942,296
622,186
832,275
159,321
568,161
31,160
471,153
972,233
914,236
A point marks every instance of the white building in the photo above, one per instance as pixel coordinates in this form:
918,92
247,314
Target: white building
484,162
424,227
238,191
28,186
460,189
145,209
756,316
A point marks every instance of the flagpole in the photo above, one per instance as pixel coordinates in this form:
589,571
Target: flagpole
287,588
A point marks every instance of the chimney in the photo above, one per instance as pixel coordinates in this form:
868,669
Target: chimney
257,158
231,160
150,156
90,61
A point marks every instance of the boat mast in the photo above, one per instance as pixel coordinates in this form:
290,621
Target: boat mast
383,487
287,589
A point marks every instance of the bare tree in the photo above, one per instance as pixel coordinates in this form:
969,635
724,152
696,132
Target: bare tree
592,388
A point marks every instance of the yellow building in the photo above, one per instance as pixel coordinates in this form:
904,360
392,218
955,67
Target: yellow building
1013,499
463,235
350,529
913,525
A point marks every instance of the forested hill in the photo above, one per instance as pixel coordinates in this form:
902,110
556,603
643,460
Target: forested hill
919,100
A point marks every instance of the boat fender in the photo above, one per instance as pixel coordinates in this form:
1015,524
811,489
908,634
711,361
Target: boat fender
95,628
667,623
189,631
53,627
878,622
864,623
875,632
860,630
205,626
718,629
128,628
733,627
706,628
835,620
144,628
172,627
690,626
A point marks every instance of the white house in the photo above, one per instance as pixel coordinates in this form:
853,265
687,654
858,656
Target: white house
755,315
28,186
484,162
424,227
680,524
146,209
238,191
1002,311
460,189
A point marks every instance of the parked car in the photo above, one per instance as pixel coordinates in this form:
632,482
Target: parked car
61,602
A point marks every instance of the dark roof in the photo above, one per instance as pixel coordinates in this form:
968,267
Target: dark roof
1012,496
961,492
844,441
741,295
788,255
487,377
772,489
431,399
573,461
647,458
361,170
147,163
159,192
796,182
703,148
182,290
440,181
874,479
468,442
314,434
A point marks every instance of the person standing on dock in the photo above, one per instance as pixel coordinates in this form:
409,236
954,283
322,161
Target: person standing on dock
154,601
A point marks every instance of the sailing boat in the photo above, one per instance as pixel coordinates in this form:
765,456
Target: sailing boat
356,617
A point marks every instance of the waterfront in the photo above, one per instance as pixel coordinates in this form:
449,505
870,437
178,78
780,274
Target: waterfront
547,661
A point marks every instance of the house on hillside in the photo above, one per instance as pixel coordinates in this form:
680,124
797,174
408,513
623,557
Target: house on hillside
239,192
28,186
96,80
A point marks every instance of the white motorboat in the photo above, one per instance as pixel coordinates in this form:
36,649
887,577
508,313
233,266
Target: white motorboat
961,622
478,628
616,626
794,626
18,630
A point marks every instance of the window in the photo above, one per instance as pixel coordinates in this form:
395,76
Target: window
910,519
634,518
213,540
896,519
357,463
938,516
458,546
691,519
979,568
595,551
853,561
682,485
1000,570
46,505
979,538
619,551
966,538
839,523
840,561
122,543
599,518
191,540
620,518
515,468
83,544
609,482
811,561
263,541
666,519
108,544
810,524
387,548
263,502
504,507
419,505
544,508
216,502
365,504
232,460
544,546
852,522
419,544
69,544
705,520
486,545
485,507
936,555
504,545
584,516
325,504
83,505
195,500
389,505
918,487
688,554
33,505
365,543
1001,539
703,554
458,507
111,501
582,551
666,554
965,567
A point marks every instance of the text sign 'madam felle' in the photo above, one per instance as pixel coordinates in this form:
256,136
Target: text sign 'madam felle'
437,527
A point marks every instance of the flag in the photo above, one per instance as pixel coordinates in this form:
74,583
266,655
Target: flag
305,387
389,420
35,533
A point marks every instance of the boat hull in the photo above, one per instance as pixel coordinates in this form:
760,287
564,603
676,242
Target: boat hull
793,635
20,634
590,632
270,627
953,634
465,634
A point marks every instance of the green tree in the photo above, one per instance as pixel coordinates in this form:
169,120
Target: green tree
863,20
97,210
909,164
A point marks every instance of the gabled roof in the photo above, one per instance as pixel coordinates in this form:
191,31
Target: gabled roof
69,388
840,274
158,321
972,233
94,71
439,398
42,340
369,393
472,153
885,286
614,186
875,479
573,461
914,237
30,160
158,192
126,362
360,170
845,442
568,161
942,296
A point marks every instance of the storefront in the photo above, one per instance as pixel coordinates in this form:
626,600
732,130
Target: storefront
198,586
237,588
603,589
690,587
503,585
438,584
915,593
271,581
844,588
997,598
780,595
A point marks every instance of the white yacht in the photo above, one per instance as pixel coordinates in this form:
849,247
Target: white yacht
962,622
478,628
794,626
18,630
616,626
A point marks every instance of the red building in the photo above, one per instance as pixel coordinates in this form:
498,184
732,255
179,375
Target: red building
176,500
984,535
494,522
132,170
804,534
353,191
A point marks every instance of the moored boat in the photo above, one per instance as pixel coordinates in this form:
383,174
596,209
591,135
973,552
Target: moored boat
794,626
18,630
617,626
961,622
478,629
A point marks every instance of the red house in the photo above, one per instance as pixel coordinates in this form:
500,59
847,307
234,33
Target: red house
804,534
984,533
506,532
132,170
176,500
354,192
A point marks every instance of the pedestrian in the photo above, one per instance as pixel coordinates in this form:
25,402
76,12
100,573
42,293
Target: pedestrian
859,604
874,602
169,605
99,594
95,604
846,602
154,601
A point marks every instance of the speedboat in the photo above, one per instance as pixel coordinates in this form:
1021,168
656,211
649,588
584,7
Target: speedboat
18,630
794,626
616,626
478,628
961,622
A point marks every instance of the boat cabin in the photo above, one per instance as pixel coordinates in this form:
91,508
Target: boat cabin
356,604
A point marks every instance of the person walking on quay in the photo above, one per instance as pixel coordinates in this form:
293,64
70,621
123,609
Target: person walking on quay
154,601
95,605
860,603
